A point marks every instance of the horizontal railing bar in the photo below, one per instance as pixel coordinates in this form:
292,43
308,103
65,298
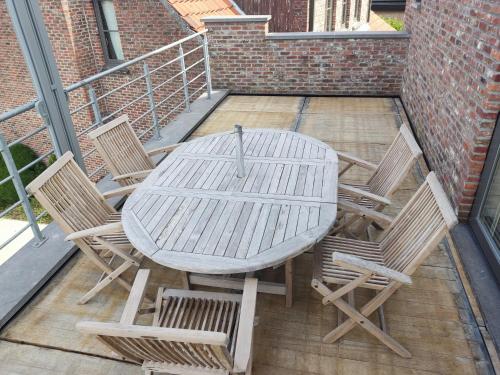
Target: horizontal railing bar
6,179
198,90
167,81
95,77
14,236
17,111
195,78
9,209
51,151
19,140
146,131
95,124
196,63
170,96
120,87
80,108
125,106
97,170
173,110
166,64
141,116
175,59
193,50
42,214
89,152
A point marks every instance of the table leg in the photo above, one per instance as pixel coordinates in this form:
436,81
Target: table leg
185,280
289,282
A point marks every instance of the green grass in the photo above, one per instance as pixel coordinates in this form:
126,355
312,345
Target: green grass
395,23
22,156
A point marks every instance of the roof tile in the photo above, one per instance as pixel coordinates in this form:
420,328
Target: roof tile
192,11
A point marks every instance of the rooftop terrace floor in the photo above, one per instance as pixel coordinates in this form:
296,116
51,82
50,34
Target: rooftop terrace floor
431,318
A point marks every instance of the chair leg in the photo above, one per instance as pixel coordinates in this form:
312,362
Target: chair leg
364,322
250,363
340,314
381,318
359,317
289,282
115,275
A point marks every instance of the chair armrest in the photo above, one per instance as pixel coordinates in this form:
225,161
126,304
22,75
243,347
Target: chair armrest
140,174
380,218
357,264
354,191
354,160
96,231
125,190
162,150
135,298
243,350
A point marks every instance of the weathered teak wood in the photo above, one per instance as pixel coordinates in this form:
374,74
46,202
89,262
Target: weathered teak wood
194,214
385,179
122,151
384,265
81,211
193,332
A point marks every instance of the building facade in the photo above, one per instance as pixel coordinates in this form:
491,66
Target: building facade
340,15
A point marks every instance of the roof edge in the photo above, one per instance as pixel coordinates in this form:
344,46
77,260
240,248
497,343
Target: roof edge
214,19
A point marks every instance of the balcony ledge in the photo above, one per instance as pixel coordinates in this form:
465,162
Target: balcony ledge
339,35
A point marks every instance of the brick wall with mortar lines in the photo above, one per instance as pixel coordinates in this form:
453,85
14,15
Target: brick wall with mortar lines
288,15
144,26
451,88
245,61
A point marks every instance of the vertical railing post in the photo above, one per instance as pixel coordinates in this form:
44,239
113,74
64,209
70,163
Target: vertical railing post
21,192
208,75
184,78
33,38
152,104
95,106
42,111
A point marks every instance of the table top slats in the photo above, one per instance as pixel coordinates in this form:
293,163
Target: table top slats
199,247
193,213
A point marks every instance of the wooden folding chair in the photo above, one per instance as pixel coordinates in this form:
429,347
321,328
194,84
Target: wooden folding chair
192,333
81,211
122,151
386,178
384,265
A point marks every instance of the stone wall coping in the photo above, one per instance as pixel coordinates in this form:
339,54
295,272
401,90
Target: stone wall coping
339,35
242,19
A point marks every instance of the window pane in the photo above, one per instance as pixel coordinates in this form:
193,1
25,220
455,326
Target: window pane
490,213
110,26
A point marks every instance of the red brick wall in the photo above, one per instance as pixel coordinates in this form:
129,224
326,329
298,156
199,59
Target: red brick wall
451,88
245,61
144,25
288,15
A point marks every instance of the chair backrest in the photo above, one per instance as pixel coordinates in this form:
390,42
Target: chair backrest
171,346
418,228
397,162
69,196
120,148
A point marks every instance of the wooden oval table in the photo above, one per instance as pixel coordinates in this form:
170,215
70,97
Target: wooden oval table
193,213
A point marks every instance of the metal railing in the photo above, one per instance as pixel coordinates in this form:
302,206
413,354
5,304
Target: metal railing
151,88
